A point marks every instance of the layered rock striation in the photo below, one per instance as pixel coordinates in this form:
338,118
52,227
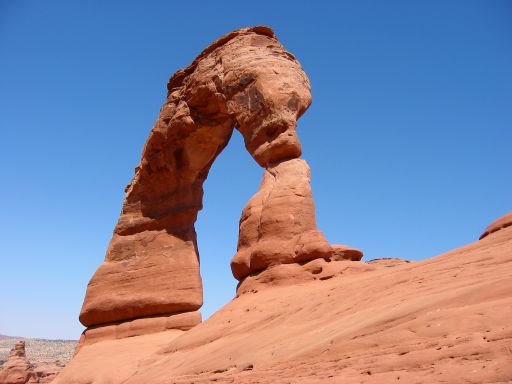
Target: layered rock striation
245,80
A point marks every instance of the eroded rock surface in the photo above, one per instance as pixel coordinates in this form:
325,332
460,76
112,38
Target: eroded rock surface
17,369
345,252
295,273
278,225
440,320
245,80
500,223
130,328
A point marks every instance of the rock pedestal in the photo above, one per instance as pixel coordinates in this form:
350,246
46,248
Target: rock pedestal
17,369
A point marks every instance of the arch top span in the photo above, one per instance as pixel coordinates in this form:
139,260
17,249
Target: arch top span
244,80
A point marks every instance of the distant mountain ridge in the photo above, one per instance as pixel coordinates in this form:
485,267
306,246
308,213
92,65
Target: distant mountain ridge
5,337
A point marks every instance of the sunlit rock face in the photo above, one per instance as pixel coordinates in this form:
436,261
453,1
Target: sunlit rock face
500,223
278,225
17,369
245,80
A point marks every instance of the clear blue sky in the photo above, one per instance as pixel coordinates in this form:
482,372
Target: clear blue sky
408,138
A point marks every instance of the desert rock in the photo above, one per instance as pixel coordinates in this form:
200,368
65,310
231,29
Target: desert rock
440,320
500,223
345,252
17,369
278,225
299,273
245,80
143,326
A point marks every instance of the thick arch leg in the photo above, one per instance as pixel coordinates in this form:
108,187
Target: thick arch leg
278,225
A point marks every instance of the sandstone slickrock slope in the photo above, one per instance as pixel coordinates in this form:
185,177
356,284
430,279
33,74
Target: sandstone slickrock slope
441,320
245,80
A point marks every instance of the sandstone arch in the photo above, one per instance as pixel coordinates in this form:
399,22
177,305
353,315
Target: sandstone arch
245,80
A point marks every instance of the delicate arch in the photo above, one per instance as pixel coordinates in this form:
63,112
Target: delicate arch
245,80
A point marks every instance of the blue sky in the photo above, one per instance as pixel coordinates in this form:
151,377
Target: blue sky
408,137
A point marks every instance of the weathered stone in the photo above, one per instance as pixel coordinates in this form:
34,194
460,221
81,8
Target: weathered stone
500,223
17,369
278,225
345,252
143,326
245,80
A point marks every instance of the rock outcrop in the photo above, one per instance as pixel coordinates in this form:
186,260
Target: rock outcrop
500,223
17,369
245,80
439,320
278,225
345,252
294,317
33,360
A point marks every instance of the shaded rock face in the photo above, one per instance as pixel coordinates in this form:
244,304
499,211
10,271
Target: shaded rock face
245,80
17,369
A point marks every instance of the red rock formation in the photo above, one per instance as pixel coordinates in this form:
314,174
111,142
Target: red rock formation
17,369
130,328
440,320
290,274
500,223
344,252
278,225
245,80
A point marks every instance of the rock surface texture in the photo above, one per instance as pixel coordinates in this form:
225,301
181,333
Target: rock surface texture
440,320
245,80
278,225
344,252
17,369
500,223
305,311
45,358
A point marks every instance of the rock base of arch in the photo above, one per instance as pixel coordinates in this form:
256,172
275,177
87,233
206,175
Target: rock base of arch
138,327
